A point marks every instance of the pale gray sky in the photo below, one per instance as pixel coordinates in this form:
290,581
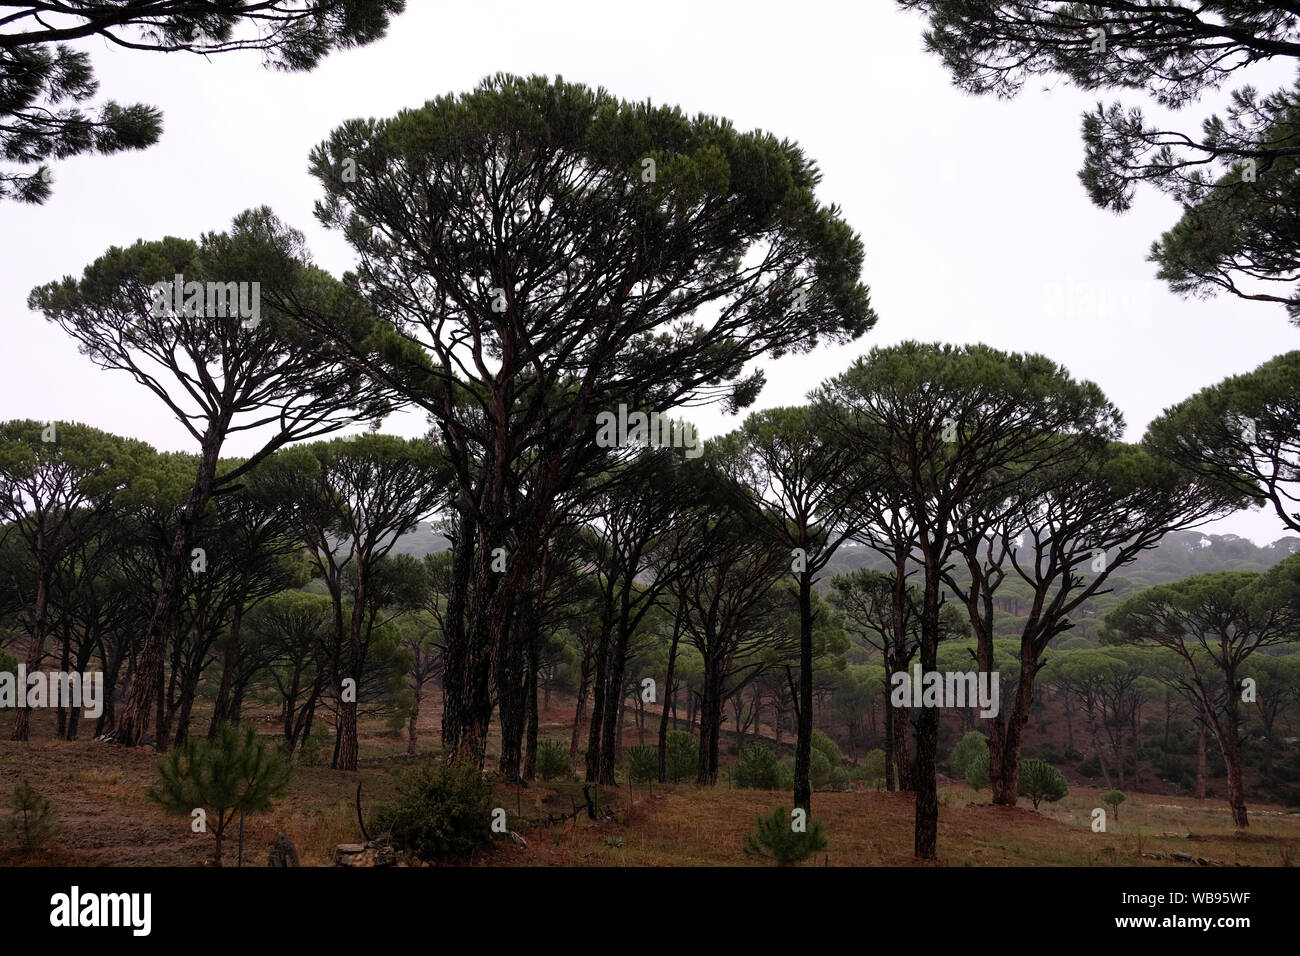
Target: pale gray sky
975,226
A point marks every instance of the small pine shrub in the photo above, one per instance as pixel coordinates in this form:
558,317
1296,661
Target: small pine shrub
1113,798
831,775
553,759
977,771
819,771
959,759
681,756
236,773
440,811
872,769
1040,781
785,775
641,763
823,743
775,837
312,748
31,818
757,768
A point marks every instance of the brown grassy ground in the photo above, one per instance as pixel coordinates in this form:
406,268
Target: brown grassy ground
684,825
105,820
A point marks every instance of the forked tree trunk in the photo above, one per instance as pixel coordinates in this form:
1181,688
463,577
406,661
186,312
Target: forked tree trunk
221,709
134,722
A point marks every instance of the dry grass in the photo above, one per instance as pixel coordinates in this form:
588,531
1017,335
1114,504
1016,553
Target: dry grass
104,819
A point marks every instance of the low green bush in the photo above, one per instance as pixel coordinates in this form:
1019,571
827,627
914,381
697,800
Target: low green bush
553,760
440,811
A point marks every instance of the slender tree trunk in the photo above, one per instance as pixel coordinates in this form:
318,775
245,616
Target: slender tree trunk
1199,793
890,717
221,709
161,737
580,711
598,693
669,688
611,742
61,716
134,722
926,833
804,711
1231,746
472,642
1006,777
926,836
35,651
530,733
183,717
414,718
710,722
618,743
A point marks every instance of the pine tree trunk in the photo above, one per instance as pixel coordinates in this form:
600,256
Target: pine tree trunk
1200,761
611,742
221,709
414,718
663,716
61,717
803,745
531,717
35,651
597,714
471,644
1231,746
579,712
710,710
890,717
134,722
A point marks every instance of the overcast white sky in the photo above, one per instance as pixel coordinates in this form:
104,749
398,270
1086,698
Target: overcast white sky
975,226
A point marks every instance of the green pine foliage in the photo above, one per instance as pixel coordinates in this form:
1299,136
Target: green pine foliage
827,770
31,818
823,743
785,775
967,748
235,774
1112,799
872,769
757,768
819,770
774,837
1040,781
681,755
641,763
553,760
977,770
440,811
